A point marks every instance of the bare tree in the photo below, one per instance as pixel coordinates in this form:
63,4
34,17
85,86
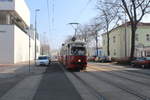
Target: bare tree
95,28
108,15
45,49
85,33
135,10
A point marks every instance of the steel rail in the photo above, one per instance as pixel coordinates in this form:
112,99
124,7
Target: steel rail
97,94
120,86
135,81
131,72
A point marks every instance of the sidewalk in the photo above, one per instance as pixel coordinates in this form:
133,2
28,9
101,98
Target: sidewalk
5,65
21,68
51,84
17,64
11,76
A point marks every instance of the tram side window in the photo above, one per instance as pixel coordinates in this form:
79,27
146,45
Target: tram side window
78,51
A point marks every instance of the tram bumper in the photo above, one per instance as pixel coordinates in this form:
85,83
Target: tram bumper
79,65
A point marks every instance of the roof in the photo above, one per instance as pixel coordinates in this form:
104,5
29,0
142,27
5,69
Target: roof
76,42
128,24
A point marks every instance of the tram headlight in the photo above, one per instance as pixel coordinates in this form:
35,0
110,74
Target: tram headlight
79,60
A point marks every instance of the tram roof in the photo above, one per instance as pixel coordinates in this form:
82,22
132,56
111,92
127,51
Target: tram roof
78,42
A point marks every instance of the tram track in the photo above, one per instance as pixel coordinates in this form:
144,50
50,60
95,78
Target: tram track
122,77
132,71
98,95
92,90
129,72
120,86
95,92
135,74
147,74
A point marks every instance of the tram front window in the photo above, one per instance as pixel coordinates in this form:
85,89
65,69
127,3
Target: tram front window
78,51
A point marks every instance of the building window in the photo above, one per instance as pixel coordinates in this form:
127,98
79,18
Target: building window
147,37
114,39
136,37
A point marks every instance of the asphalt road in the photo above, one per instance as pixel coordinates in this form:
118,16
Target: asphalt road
118,82
56,86
41,83
100,81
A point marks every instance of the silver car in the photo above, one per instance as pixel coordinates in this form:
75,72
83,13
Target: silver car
42,60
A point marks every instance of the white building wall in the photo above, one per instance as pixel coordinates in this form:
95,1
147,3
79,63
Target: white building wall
32,50
14,43
115,52
7,5
22,46
125,31
39,46
23,11
119,45
6,44
141,31
18,6
104,43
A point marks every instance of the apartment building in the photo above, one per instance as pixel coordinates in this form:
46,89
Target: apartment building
14,32
120,41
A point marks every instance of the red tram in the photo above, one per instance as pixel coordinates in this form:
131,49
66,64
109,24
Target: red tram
73,55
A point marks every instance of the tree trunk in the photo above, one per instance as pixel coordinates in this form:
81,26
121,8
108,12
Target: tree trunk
108,53
133,30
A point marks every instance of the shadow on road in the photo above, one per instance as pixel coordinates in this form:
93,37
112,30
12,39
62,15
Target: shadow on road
56,86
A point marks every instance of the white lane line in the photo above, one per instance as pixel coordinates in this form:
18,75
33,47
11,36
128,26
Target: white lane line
25,90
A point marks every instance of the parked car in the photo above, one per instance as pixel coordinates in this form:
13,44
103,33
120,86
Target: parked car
141,62
97,59
42,60
91,58
104,59
54,59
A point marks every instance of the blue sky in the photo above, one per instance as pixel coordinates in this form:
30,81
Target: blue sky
66,11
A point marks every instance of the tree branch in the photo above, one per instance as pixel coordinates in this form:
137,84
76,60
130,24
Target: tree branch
126,9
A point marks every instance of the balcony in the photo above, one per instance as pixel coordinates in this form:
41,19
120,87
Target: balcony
6,5
17,8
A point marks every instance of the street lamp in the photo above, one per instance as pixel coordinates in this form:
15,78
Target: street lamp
36,10
29,33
